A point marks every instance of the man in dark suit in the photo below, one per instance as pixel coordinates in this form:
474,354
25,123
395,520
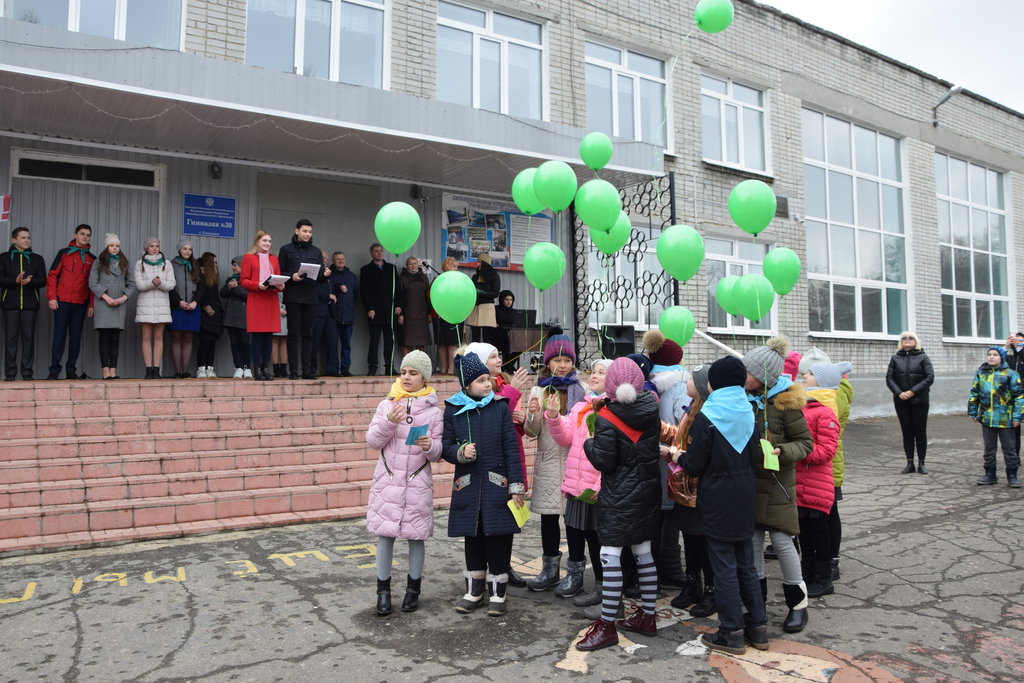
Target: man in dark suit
382,301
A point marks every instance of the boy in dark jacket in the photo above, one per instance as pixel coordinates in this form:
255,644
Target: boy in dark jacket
67,288
480,441
22,275
300,299
625,450
722,452
235,298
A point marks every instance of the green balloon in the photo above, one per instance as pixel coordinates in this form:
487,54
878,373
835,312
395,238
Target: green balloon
754,296
782,268
752,206
598,204
523,194
681,251
397,226
713,16
678,324
453,296
613,240
725,294
596,150
555,184
543,265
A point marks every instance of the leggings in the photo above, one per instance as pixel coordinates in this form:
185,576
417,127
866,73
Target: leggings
386,554
490,553
207,347
814,541
611,588
789,558
240,352
550,534
695,548
110,340
914,425
835,529
579,540
261,344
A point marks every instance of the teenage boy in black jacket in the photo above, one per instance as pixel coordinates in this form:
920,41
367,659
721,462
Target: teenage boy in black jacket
22,275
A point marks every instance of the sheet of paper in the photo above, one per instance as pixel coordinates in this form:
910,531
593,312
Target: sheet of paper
415,432
310,270
520,513
277,279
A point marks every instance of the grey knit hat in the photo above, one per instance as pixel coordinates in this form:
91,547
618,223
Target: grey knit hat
766,362
813,356
829,375
700,380
238,260
420,362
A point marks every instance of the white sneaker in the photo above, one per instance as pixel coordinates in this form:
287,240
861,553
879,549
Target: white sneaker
239,373
247,373
210,372
201,372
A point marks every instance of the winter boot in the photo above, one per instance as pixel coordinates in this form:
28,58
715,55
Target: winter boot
549,576
822,582
496,585
670,567
280,370
796,601
706,606
691,593
835,569
730,642
990,476
515,580
572,583
589,599
909,469
594,611
383,597
756,636
411,601
921,469
1011,478
474,596
601,634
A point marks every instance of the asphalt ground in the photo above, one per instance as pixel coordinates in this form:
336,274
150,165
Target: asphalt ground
930,590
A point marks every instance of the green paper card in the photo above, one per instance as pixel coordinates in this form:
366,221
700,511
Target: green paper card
771,461
588,496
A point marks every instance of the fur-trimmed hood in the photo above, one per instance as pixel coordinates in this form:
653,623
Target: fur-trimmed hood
663,381
793,398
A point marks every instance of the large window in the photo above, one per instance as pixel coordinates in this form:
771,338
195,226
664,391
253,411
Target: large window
339,40
972,250
856,242
732,257
490,60
626,94
155,23
734,124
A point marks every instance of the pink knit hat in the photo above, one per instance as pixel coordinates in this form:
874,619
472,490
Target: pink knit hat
624,381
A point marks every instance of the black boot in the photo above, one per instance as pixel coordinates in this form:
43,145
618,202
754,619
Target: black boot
474,596
796,601
670,567
1011,478
383,597
496,585
515,580
280,370
835,569
909,469
764,591
268,376
692,591
921,469
411,601
706,606
822,583
989,477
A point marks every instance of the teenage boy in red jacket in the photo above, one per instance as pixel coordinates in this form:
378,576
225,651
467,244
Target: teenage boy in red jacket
67,288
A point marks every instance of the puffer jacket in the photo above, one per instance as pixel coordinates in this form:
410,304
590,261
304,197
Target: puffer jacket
844,397
815,485
549,460
571,431
483,487
997,397
401,503
627,509
68,277
153,304
787,431
910,371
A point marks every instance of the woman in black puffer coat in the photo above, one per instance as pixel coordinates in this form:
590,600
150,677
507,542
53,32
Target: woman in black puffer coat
625,450
909,377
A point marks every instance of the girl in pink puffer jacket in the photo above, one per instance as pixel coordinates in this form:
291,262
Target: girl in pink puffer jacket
580,524
401,503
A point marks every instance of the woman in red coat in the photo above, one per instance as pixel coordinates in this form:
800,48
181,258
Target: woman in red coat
262,311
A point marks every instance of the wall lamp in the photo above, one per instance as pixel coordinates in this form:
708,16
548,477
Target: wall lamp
945,98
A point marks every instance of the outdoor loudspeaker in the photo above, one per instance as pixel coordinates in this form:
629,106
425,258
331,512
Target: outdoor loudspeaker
617,340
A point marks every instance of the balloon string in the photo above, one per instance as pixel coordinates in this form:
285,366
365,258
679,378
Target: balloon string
462,383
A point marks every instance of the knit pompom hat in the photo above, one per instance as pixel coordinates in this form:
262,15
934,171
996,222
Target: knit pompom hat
624,381
829,375
642,362
420,362
110,238
661,350
468,368
792,365
813,356
766,362
727,371
559,345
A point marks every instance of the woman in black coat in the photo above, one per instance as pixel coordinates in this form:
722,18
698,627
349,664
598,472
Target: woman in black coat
909,377
625,450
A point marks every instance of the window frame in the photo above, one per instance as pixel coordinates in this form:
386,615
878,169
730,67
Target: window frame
120,20
857,282
334,54
973,296
746,265
729,99
595,259
621,69
488,33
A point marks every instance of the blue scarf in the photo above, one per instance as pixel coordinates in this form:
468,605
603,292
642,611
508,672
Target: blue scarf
556,382
781,385
730,412
468,402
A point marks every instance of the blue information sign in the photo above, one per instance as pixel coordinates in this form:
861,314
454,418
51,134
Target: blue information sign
209,216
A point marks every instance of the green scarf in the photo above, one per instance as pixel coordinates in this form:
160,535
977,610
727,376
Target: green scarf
81,251
27,253
234,277
182,262
159,262
113,258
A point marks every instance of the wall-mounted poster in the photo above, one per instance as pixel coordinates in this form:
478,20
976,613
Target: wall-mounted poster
473,225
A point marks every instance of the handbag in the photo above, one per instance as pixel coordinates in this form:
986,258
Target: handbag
682,487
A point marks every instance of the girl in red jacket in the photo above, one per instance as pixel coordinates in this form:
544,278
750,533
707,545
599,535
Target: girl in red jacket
263,310
815,486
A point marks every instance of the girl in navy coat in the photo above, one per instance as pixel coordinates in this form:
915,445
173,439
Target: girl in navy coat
480,441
